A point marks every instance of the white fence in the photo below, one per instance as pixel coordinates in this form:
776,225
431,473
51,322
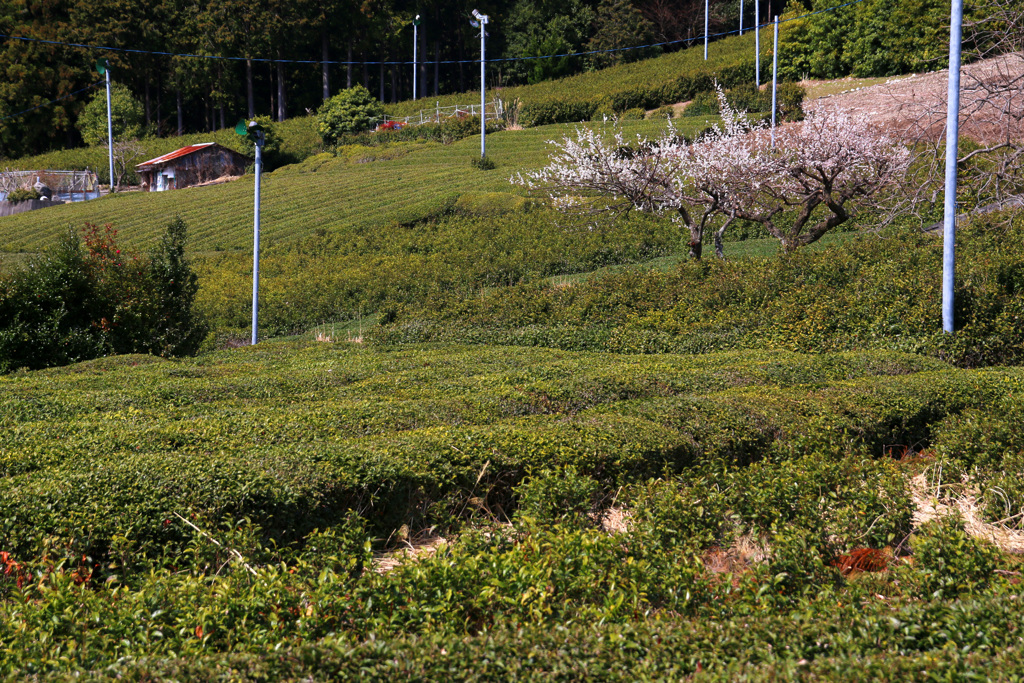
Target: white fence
68,186
493,110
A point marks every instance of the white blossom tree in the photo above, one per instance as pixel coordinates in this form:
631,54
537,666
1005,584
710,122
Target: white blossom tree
814,178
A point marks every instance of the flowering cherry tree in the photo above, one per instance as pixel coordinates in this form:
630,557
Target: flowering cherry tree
811,180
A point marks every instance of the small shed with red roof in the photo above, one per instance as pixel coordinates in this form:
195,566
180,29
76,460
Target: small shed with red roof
189,166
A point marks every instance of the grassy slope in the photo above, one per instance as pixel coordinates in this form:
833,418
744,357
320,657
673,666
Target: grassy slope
298,199
614,79
359,195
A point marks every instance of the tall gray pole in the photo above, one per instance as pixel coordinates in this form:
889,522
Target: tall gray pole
775,78
110,130
741,17
256,238
483,92
757,42
707,22
415,48
952,138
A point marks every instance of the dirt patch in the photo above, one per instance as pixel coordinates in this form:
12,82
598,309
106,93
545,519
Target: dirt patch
915,106
929,506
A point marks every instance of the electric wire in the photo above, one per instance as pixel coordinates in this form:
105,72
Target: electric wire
267,60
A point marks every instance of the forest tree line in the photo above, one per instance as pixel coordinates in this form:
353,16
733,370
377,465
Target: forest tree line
187,94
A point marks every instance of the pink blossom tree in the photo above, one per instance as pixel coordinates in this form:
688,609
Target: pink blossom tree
814,178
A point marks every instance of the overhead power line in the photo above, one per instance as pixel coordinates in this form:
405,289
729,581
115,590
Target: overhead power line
267,60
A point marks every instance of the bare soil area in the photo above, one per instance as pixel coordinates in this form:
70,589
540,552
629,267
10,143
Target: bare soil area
915,106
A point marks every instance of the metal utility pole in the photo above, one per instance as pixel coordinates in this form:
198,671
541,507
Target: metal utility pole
775,77
757,42
482,20
741,17
255,129
952,138
707,21
103,66
415,48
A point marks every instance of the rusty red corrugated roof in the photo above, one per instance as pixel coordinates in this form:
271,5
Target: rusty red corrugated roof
184,151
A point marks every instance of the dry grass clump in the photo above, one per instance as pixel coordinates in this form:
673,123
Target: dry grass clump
932,503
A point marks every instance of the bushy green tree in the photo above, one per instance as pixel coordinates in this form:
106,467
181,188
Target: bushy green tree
547,27
125,111
892,37
89,298
618,25
350,111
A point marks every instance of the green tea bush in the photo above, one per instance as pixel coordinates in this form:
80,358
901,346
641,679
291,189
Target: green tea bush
217,517
560,497
987,446
948,561
633,114
884,284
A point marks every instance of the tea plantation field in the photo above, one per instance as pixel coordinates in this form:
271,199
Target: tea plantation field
224,516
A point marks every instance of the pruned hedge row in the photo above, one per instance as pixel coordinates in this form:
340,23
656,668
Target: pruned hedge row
170,518
406,437
985,447
526,602
647,84
876,292
458,247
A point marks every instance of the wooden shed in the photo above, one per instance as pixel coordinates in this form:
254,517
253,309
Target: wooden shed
189,166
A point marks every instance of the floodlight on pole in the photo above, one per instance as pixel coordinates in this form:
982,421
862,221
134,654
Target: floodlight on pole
254,131
103,66
415,54
952,140
482,20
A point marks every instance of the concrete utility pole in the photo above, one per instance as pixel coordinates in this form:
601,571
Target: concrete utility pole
415,49
775,78
104,68
952,139
757,42
258,132
482,20
707,23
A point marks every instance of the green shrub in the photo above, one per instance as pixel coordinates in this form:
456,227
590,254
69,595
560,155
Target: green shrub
350,111
22,194
483,163
948,561
633,114
883,283
89,298
273,155
603,112
559,497
703,104
666,112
